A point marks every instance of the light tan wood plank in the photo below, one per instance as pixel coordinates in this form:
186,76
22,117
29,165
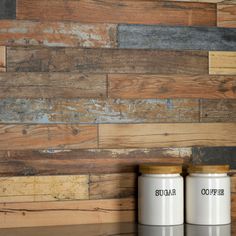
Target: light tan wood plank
58,136
43,188
167,135
222,63
226,15
2,59
66,212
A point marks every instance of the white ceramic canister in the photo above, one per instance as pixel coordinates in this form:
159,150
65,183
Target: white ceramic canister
160,195
208,199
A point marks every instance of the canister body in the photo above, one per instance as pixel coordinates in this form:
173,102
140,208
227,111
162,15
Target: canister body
208,199
161,199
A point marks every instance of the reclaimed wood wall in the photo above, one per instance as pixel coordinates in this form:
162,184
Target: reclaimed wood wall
90,89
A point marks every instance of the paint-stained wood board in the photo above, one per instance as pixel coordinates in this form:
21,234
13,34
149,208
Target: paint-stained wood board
166,135
66,212
43,188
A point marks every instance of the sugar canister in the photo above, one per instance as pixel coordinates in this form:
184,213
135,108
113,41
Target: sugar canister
160,197
208,195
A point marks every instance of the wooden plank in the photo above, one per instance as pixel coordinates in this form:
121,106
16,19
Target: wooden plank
113,11
112,185
171,86
66,212
7,9
2,59
57,34
233,206
44,188
13,137
52,85
222,63
226,15
166,135
84,161
22,59
46,111
176,37
218,110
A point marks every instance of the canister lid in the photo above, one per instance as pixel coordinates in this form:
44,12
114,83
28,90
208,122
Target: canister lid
160,169
212,169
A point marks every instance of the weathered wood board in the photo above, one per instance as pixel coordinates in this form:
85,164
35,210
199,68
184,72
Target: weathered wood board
2,59
44,188
226,15
7,9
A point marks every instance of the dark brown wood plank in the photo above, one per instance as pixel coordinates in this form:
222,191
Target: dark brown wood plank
57,34
34,59
52,85
171,86
113,11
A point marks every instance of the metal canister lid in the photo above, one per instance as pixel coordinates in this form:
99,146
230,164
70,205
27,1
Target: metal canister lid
211,169
160,169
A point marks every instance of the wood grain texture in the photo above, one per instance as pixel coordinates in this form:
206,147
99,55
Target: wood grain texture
218,110
66,212
2,59
46,111
28,59
52,85
21,137
84,161
7,9
171,86
113,11
57,34
44,188
176,37
104,186
166,135
226,15
222,63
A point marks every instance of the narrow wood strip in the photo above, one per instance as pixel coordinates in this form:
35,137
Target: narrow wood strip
57,34
46,111
226,15
176,37
52,85
166,135
66,212
222,63
7,9
218,110
13,137
32,59
44,188
171,86
2,59
84,161
112,11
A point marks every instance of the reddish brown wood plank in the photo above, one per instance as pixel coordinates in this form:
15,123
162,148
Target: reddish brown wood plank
226,15
171,86
57,34
2,59
21,137
113,11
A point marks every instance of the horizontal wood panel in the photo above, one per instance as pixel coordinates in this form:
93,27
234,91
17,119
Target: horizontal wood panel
112,11
84,161
104,186
171,86
66,212
176,37
218,110
166,135
222,63
57,34
98,110
28,59
13,137
226,15
44,188
2,59
7,9
51,85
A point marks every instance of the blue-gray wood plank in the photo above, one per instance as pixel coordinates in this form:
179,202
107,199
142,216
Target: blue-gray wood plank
177,37
7,9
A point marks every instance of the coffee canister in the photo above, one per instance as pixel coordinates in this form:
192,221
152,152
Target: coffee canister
208,195
160,195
